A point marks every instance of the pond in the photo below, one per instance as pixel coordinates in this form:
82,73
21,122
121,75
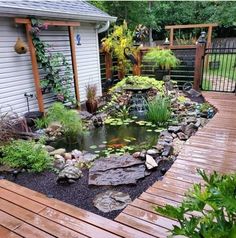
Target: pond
115,139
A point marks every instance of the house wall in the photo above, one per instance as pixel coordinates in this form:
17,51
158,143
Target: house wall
16,76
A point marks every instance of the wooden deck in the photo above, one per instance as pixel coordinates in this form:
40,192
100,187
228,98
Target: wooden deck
26,213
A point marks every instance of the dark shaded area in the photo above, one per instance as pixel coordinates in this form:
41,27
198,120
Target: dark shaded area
79,193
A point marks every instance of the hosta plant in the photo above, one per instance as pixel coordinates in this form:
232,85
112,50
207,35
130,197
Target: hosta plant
216,204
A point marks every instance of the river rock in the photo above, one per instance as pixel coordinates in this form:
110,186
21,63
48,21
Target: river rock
58,152
49,148
182,136
150,162
168,150
69,172
87,158
76,153
117,170
59,162
67,156
153,152
111,200
190,129
174,129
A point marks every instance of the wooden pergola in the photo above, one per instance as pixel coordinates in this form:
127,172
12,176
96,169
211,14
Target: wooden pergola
176,27
35,70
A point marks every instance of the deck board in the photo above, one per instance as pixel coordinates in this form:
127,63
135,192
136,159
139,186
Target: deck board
212,148
26,213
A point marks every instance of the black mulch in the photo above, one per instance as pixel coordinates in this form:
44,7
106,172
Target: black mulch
79,193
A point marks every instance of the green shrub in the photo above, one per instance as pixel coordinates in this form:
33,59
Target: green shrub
163,58
217,204
205,106
72,125
158,110
22,154
139,82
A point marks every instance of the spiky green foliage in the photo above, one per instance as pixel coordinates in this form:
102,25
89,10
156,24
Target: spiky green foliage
158,110
217,204
69,119
163,58
139,82
22,154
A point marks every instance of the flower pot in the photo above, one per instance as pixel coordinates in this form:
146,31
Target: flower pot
160,73
91,106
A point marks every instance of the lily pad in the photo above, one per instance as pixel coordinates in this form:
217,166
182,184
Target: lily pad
93,147
149,130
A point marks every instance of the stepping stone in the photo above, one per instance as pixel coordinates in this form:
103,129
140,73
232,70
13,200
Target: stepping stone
111,200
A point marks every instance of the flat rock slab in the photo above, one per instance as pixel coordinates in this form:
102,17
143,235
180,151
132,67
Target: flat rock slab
117,170
111,200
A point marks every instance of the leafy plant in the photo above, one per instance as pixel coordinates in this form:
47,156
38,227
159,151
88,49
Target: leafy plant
72,125
91,92
182,99
216,202
139,82
22,154
58,71
123,112
115,44
158,110
163,58
205,106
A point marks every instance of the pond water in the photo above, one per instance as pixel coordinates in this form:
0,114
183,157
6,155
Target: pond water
114,139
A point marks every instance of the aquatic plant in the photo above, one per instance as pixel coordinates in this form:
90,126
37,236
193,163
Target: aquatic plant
22,154
139,82
123,112
215,202
158,110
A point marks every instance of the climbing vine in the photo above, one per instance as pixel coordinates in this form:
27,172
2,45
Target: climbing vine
58,73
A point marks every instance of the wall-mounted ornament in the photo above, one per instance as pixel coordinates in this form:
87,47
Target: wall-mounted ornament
78,38
20,46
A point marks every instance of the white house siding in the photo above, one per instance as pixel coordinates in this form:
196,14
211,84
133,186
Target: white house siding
16,76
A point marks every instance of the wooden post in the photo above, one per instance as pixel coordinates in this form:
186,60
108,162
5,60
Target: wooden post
108,63
35,68
171,36
200,50
137,68
74,64
209,36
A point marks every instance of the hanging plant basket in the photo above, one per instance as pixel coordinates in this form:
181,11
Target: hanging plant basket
20,47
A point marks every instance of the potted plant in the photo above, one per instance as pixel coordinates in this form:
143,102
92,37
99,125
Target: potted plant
163,60
91,103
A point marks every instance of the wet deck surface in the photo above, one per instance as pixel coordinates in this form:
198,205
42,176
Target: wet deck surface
25,213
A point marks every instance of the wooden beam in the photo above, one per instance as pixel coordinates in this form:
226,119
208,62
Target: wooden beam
108,64
171,36
209,36
190,26
49,23
35,68
74,63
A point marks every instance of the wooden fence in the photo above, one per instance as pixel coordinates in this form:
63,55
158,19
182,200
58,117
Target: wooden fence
189,69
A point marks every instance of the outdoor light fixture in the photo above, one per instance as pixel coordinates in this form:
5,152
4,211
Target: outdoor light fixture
202,38
78,39
166,42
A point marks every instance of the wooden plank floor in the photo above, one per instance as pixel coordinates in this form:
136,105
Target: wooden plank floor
26,213
213,148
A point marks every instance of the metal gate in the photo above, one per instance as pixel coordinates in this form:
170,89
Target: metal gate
219,69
